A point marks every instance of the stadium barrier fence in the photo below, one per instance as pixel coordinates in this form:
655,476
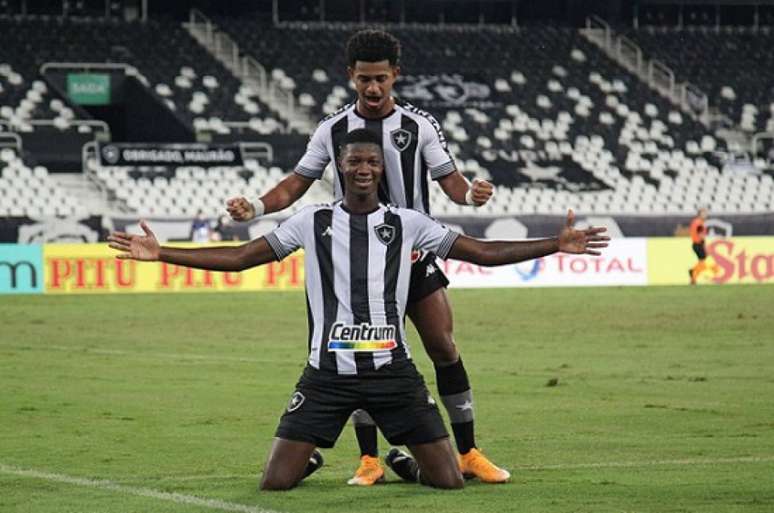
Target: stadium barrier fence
93,268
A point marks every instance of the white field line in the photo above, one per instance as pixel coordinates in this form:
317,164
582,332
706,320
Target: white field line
220,505
694,462
179,498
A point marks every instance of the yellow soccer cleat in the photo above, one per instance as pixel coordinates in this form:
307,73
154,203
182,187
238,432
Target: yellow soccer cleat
370,472
475,464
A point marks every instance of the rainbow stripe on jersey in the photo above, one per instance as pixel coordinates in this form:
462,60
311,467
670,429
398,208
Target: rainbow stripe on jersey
363,337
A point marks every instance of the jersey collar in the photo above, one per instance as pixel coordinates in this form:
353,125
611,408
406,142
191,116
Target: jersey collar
358,114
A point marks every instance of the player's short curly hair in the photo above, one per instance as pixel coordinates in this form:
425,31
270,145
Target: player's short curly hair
373,46
361,136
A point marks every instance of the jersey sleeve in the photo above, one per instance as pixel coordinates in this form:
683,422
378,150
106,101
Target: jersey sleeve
290,235
316,157
434,151
430,235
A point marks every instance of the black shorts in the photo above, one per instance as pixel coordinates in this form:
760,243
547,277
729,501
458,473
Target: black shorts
698,248
426,276
395,396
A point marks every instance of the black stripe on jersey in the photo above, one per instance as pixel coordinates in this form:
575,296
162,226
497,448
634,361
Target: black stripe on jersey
336,113
375,126
309,323
425,188
358,282
338,131
323,239
431,119
392,266
407,158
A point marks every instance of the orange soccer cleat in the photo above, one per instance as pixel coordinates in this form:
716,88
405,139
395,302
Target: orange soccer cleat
369,472
475,464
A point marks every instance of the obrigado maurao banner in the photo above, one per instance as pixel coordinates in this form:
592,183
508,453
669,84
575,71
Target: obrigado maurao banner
148,154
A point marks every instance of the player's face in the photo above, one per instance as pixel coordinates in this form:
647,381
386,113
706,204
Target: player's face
373,82
362,166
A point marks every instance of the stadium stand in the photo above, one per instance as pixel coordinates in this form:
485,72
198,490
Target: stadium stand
183,191
167,60
555,122
737,82
26,191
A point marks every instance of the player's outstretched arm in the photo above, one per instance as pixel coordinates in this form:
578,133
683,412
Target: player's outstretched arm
234,258
569,240
284,194
460,191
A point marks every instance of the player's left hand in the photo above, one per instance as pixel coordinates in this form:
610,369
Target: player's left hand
481,191
581,242
136,247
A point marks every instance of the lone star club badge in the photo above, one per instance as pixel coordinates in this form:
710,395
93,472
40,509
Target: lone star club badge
400,138
296,400
385,233
111,154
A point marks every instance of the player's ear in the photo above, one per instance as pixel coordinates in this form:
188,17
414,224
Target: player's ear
351,73
396,71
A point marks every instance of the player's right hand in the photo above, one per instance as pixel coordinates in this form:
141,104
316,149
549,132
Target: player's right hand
240,209
481,191
136,247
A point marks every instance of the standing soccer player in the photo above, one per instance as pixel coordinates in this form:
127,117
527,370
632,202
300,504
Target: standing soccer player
698,235
414,150
358,270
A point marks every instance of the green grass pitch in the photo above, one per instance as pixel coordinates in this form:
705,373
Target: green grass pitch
664,402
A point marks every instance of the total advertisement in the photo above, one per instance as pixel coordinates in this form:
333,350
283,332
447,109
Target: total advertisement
624,262
729,260
94,268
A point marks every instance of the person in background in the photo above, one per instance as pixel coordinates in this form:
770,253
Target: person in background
698,233
200,228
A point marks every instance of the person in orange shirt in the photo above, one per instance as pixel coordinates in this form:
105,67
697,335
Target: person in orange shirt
698,233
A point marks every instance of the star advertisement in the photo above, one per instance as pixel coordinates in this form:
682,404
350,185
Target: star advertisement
730,260
624,262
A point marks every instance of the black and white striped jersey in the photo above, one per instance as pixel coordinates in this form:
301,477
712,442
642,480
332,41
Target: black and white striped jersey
414,147
358,268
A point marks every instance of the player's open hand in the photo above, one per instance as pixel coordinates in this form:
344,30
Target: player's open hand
481,191
587,241
240,209
137,247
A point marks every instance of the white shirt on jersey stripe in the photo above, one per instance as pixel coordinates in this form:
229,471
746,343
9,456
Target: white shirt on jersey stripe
414,148
374,248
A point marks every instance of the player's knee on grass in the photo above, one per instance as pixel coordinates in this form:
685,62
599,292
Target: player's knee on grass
286,464
438,465
278,481
448,478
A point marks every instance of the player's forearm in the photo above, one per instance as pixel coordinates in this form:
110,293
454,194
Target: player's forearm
455,186
228,259
285,193
490,253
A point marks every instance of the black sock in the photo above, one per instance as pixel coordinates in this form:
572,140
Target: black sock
457,397
365,432
366,439
315,462
403,465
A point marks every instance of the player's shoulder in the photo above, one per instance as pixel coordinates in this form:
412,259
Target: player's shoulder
419,115
309,211
335,116
409,214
